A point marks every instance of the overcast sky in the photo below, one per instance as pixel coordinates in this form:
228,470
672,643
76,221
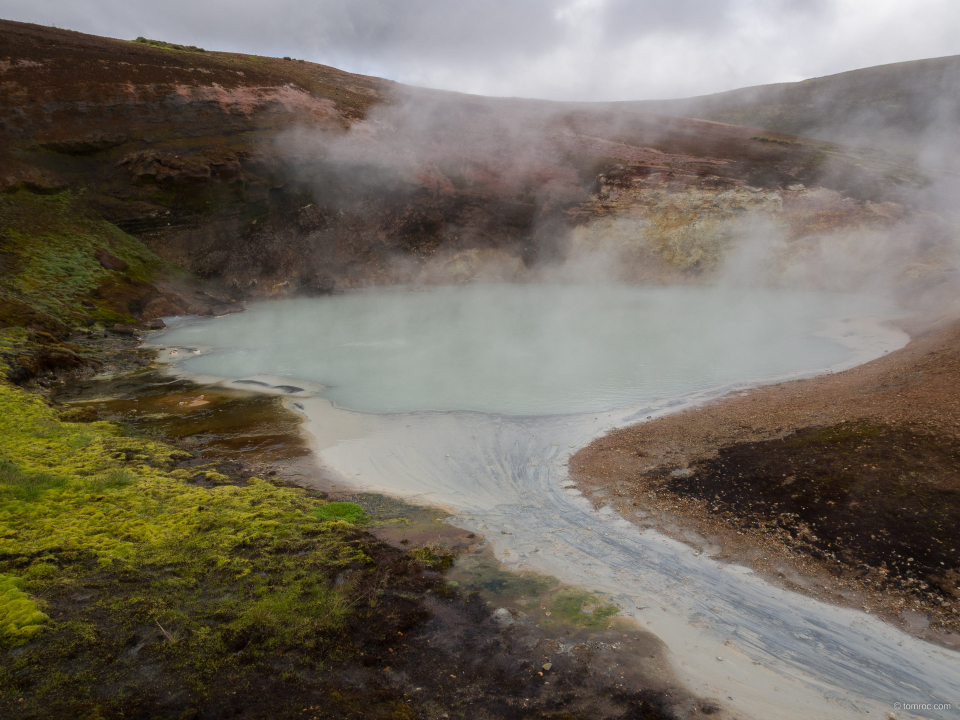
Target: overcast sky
559,49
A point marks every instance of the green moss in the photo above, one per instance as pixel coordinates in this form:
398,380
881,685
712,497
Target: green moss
227,577
435,556
20,618
778,141
581,608
346,511
26,486
14,341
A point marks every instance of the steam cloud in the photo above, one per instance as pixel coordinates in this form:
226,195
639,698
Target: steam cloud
546,157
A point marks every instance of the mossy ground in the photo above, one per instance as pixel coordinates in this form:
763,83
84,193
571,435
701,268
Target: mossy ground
345,511
581,608
109,549
144,581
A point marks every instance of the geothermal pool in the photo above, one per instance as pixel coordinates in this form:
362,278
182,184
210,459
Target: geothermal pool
474,398
523,349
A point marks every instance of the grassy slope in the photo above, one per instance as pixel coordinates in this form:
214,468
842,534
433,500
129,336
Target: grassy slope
51,281
48,244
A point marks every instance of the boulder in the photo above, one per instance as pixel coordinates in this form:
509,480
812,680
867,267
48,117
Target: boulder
110,261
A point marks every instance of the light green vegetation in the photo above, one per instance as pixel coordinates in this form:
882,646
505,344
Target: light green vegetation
581,608
168,46
208,579
346,511
79,487
20,618
436,556
14,342
780,141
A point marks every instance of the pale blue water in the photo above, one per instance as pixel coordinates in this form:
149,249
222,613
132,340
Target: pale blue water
521,349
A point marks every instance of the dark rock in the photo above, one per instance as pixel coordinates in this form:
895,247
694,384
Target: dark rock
110,261
288,388
87,146
155,324
163,307
121,329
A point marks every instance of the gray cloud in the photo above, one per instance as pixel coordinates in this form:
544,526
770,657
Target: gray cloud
561,49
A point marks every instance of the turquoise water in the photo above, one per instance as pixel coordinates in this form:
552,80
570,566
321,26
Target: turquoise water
520,349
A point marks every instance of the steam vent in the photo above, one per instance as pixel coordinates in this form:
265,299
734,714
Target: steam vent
328,396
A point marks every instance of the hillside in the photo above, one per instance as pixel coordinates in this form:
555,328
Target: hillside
908,106
269,176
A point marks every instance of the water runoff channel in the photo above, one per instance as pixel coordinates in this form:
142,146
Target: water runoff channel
473,398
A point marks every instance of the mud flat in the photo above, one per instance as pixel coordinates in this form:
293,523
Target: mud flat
758,649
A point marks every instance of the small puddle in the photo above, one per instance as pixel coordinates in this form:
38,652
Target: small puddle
239,425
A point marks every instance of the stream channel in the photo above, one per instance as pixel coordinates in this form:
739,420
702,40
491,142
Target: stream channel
474,398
